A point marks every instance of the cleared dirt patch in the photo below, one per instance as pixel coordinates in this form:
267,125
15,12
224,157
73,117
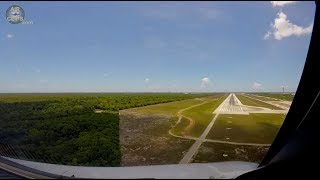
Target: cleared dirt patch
144,140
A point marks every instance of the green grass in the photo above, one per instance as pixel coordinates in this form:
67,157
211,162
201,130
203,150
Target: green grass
251,102
286,97
263,98
179,129
213,152
202,115
172,108
253,128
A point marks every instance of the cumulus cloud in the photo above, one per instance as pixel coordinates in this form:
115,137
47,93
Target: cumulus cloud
205,82
147,80
282,28
9,36
256,86
282,3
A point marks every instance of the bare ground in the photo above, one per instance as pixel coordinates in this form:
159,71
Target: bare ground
144,140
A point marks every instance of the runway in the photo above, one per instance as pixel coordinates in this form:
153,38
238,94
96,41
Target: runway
232,105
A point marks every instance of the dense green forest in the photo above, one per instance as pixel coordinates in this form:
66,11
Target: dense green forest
64,128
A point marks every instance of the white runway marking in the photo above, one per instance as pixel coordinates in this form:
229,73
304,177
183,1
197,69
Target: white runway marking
231,105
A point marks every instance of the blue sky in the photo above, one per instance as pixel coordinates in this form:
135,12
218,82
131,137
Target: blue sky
155,46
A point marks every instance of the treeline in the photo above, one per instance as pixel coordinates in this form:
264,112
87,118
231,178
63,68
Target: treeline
108,101
64,129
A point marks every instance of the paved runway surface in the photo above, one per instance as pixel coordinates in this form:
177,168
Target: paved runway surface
232,105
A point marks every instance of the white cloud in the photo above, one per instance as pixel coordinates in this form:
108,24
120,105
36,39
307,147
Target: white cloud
267,35
106,75
282,28
256,86
9,36
282,3
147,80
205,82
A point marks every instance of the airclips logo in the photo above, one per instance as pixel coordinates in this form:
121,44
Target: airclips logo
16,15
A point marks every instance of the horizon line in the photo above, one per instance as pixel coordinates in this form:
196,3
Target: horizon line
75,92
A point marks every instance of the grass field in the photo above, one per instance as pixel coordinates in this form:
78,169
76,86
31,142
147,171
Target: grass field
263,98
180,129
202,116
217,152
253,128
286,97
144,136
172,108
251,102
